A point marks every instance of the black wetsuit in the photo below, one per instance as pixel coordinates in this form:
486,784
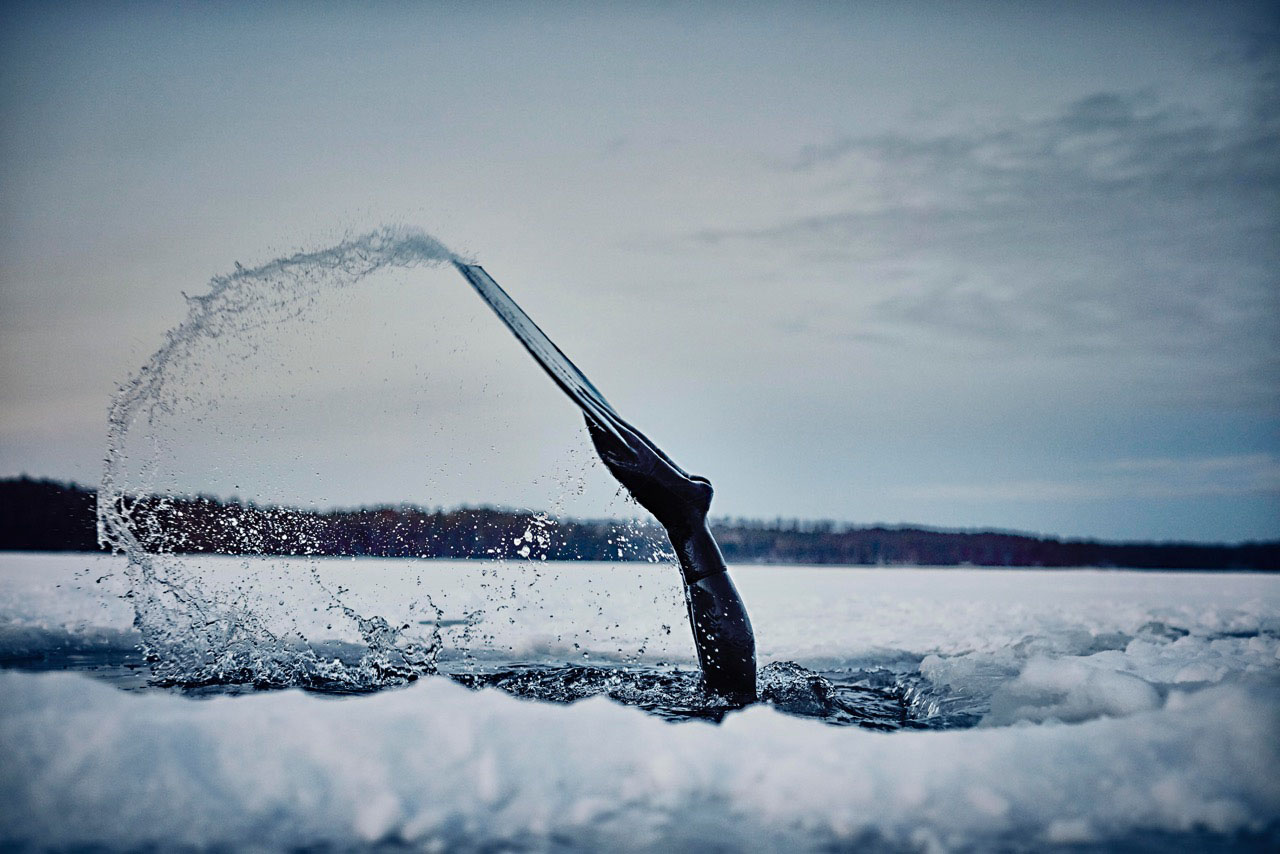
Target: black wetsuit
678,500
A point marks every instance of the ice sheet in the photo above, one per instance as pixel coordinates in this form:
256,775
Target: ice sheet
969,629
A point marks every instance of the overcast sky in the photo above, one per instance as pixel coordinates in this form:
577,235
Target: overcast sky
970,265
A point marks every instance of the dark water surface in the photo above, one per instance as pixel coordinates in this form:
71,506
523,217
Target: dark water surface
875,699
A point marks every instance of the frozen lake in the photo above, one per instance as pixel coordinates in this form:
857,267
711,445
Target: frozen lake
1004,709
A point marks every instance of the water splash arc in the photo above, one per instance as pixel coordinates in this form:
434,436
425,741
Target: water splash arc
189,634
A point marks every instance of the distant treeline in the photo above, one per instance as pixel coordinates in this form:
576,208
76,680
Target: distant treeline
42,515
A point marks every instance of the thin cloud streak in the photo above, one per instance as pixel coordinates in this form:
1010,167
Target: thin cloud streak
1155,478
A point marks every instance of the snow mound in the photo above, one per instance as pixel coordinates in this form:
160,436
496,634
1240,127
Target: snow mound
440,767
1069,690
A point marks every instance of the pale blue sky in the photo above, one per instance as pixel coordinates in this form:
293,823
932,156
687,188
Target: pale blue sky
975,264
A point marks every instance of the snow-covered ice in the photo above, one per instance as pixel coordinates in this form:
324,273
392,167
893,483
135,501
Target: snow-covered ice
1112,709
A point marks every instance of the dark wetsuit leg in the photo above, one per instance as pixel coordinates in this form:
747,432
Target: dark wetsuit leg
680,501
723,637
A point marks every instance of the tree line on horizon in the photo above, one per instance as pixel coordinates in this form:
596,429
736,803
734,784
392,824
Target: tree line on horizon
44,515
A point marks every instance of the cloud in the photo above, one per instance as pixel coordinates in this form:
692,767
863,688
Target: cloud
1116,223
1154,478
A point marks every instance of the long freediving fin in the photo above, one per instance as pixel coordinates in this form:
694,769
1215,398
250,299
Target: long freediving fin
557,365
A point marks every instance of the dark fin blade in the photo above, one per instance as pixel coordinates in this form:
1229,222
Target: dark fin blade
557,365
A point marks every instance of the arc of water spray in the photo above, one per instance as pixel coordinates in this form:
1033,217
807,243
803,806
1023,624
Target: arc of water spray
179,622
286,282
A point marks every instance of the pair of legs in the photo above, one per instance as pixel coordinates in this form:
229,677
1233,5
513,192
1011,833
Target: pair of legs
678,500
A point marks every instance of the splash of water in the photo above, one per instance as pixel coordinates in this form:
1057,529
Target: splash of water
190,634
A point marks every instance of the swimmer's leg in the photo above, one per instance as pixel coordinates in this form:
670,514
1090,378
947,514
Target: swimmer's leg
722,631
680,501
